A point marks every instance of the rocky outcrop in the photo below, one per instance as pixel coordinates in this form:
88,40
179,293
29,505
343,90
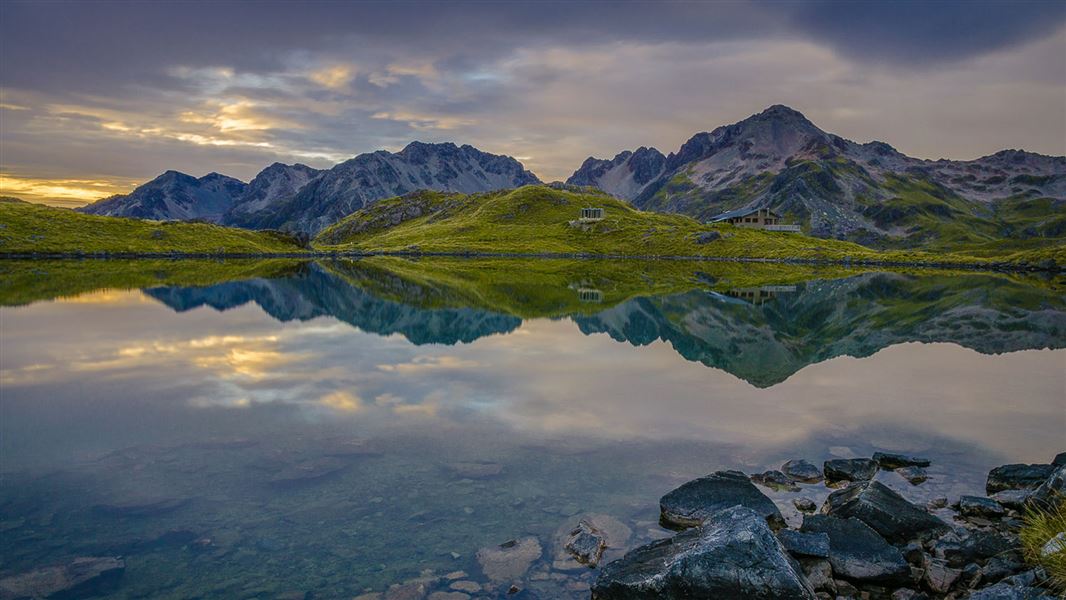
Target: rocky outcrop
694,502
80,578
625,176
733,555
272,186
849,469
859,553
1018,477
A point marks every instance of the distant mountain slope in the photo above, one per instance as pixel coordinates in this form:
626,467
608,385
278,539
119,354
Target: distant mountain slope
367,178
865,192
274,184
174,196
625,176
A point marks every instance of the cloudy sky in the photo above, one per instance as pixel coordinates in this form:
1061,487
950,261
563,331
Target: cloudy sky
99,96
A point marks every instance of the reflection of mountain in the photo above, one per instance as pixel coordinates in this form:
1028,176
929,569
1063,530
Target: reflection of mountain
763,343
314,292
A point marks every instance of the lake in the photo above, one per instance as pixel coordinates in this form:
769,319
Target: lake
286,429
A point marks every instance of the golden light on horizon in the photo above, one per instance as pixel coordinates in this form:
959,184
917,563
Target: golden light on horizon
60,192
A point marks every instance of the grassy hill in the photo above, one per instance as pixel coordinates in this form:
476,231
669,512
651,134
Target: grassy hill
27,228
540,220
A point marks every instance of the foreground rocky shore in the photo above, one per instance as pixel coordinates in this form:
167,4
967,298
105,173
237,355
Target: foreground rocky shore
722,536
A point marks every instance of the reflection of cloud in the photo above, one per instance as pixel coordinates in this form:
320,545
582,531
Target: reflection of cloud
430,363
342,400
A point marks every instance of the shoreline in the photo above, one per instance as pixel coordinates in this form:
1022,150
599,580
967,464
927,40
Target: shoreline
998,267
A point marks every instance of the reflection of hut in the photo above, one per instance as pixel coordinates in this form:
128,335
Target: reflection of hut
590,295
759,295
757,218
591,214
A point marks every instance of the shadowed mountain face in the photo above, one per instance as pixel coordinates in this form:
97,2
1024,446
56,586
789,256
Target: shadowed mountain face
174,196
839,188
762,335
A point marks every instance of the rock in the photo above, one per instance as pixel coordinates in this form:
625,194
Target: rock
509,561
938,502
448,596
1055,545
1060,459
1052,492
913,475
1003,591
913,553
849,469
971,574
857,552
804,505
802,471
586,544
307,472
939,577
1017,477
706,237
807,545
142,508
475,470
775,480
695,501
889,461
733,555
819,574
469,587
908,594
997,568
1015,499
979,506
987,543
80,578
888,513
413,590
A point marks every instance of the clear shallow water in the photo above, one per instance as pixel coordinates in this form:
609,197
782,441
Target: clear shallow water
313,431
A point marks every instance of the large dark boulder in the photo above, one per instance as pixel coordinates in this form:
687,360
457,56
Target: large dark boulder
885,511
849,469
733,555
859,553
1052,492
1017,477
80,578
802,471
695,501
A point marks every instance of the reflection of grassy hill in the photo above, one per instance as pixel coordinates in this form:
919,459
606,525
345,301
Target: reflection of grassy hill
25,281
532,288
536,220
27,228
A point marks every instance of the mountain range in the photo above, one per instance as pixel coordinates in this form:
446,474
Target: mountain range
833,187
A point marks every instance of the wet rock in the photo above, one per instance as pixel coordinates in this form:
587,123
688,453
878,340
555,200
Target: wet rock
802,471
804,505
939,577
1060,459
586,544
142,508
585,531
889,461
448,596
1050,493
888,513
979,506
819,574
913,475
806,545
1017,477
414,590
859,553
81,578
695,501
913,553
1015,499
468,587
1003,591
733,555
849,469
509,561
475,470
774,480
308,472
987,543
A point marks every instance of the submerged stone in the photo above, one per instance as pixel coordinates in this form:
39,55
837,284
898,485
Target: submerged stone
859,553
849,469
804,505
775,480
694,502
913,475
583,539
510,560
586,544
890,461
81,578
1017,477
733,555
888,513
802,471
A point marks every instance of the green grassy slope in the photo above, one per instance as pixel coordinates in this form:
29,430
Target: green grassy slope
27,228
536,220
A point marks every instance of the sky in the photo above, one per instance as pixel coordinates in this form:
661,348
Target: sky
97,97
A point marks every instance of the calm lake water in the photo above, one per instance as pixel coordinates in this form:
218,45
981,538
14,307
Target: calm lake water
331,429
